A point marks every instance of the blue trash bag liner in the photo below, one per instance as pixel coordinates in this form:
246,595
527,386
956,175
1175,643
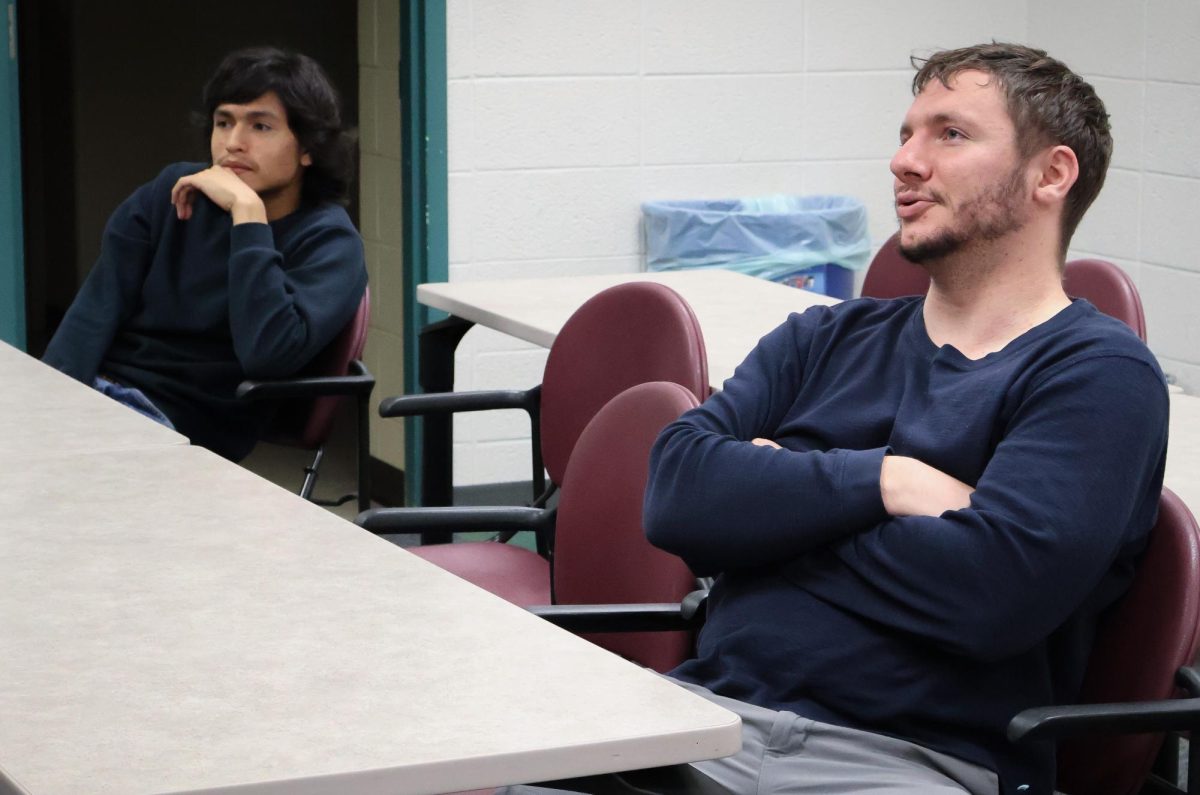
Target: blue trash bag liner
772,237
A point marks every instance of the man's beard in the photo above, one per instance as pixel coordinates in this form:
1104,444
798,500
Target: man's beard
988,216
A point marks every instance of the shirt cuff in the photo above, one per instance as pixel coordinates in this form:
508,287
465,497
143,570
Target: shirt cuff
862,502
251,235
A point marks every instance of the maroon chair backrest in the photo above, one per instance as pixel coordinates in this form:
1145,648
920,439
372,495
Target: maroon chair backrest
601,555
1109,288
1140,643
890,275
628,334
335,360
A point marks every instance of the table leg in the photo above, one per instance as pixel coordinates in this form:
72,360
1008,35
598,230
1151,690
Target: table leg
436,347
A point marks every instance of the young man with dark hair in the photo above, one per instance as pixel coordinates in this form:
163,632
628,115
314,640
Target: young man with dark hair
916,509
244,269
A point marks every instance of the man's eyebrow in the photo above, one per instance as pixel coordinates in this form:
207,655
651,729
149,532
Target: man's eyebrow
250,114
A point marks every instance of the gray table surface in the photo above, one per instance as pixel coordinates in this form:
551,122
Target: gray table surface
171,623
45,414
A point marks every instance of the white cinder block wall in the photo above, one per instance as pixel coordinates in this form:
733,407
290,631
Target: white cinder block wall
1144,59
565,116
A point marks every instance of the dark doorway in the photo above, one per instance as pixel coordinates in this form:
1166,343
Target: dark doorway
107,95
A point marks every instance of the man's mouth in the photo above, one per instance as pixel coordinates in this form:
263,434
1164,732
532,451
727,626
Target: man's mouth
910,205
236,167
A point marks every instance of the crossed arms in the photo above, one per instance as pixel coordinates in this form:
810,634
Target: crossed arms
985,569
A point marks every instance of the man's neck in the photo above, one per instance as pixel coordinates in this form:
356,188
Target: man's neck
986,296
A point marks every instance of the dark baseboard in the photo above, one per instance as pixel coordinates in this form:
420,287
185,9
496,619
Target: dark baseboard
387,489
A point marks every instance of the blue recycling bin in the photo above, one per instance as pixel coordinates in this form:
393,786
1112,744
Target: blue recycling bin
814,242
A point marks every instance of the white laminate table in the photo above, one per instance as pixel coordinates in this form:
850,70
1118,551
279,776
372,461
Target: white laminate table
734,310
45,414
171,623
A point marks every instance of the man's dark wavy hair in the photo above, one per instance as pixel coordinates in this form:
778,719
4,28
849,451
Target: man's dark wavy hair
313,112
1049,105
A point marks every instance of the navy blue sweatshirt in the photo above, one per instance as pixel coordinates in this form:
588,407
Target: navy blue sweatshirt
933,629
185,310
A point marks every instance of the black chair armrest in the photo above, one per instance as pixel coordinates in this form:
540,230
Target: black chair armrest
1188,678
359,382
653,617
1049,723
451,402
465,519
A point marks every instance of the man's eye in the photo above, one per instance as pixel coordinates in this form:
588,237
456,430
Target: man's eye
262,127
220,123
954,134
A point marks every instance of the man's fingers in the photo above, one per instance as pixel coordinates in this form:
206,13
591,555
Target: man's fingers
765,443
181,197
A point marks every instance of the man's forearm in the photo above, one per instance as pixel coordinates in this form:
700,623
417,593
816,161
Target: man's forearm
910,487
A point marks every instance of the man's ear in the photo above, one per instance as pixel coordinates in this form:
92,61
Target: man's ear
306,159
1058,170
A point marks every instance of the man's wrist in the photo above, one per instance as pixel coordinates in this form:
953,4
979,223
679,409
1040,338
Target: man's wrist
249,210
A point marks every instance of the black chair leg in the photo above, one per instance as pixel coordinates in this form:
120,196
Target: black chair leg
310,474
364,455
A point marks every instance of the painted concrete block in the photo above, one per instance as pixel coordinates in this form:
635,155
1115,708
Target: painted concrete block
1172,118
722,119
1125,101
1095,37
1173,41
856,35
460,43
514,38
368,24
1168,219
1172,323
460,125
553,214
1111,224
719,37
533,123
460,209
854,115
723,180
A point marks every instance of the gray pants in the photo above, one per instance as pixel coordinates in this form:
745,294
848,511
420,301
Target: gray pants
784,754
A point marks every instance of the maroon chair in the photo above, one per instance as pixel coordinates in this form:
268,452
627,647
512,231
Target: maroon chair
601,555
890,275
307,404
1102,283
1141,646
628,334
1108,288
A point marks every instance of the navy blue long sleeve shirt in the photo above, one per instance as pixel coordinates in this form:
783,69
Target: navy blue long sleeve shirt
934,629
186,310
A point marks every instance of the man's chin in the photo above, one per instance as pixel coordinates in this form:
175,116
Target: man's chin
922,251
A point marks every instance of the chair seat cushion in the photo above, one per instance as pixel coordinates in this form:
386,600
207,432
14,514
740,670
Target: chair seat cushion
511,572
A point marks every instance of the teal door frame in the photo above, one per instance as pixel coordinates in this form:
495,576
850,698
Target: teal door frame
12,236
424,190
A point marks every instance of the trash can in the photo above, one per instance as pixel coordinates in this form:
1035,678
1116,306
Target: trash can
814,242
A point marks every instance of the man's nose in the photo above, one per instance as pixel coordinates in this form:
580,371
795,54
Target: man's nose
909,161
234,140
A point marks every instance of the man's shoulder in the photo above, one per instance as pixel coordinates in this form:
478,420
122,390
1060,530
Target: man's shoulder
1090,331
857,314
1084,339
